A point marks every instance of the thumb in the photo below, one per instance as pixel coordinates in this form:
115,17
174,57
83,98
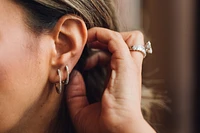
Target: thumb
76,94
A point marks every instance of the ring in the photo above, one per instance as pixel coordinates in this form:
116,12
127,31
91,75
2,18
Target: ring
144,49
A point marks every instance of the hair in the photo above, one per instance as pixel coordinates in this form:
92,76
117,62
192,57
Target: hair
42,15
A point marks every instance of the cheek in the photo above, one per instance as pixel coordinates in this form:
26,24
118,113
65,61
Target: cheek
23,70
16,63
21,82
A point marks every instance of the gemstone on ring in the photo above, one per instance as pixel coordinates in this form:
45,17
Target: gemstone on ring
148,47
144,49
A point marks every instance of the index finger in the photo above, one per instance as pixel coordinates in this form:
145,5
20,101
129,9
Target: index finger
112,39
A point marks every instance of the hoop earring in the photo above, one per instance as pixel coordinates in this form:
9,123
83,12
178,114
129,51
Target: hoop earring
59,89
67,79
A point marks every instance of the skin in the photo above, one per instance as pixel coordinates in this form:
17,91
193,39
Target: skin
119,110
29,63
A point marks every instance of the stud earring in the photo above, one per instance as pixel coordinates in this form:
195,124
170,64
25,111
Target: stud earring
59,89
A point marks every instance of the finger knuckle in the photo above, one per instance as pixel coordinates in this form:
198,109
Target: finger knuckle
139,34
116,35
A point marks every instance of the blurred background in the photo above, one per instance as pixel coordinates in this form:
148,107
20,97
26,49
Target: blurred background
171,26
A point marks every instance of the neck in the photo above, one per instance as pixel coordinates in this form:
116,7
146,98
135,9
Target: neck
42,116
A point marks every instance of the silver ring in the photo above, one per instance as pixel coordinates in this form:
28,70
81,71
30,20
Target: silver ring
139,48
144,49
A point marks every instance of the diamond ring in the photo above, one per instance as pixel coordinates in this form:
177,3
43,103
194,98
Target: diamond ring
144,49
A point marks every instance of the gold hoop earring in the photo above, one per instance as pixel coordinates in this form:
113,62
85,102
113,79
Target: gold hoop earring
67,79
59,89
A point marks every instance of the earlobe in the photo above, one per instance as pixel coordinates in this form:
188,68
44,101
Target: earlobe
70,36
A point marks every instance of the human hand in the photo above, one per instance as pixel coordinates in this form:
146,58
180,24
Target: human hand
120,108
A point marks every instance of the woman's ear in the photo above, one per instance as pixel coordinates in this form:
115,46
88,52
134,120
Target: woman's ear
70,36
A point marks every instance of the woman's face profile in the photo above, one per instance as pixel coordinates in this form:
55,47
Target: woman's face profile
24,65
